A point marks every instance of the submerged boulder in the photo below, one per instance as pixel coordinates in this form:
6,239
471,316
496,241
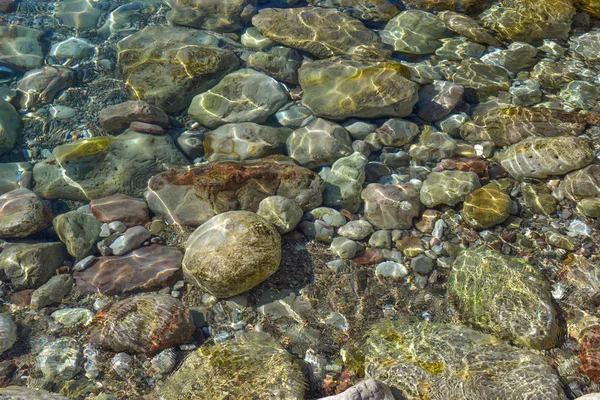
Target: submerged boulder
215,15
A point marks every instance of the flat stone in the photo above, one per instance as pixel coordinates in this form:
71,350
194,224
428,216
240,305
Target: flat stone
191,196
468,27
79,231
517,57
72,48
145,269
120,207
22,214
20,47
460,48
379,89
391,206
52,291
281,63
131,239
78,14
319,31
116,118
24,393
69,317
146,128
31,265
485,79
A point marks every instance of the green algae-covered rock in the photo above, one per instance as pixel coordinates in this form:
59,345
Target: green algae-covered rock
104,165
530,20
370,10
415,32
441,5
586,45
538,198
580,94
10,126
253,366
282,212
486,207
231,253
167,66
538,157
321,32
449,361
379,89
433,145
589,207
215,15
242,96
506,126
592,7
343,182
448,187
79,231
504,296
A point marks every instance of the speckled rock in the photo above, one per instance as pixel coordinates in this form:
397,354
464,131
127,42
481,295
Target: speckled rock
504,296
319,31
486,207
231,253
282,212
415,32
31,265
120,207
245,95
582,184
319,143
61,359
8,333
20,47
213,372
391,206
116,118
214,15
433,145
10,126
379,89
146,323
167,66
468,27
52,291
79,231
244,141
435,356
343,182
191,196
22,213
530,21
127,162
537,157
448,187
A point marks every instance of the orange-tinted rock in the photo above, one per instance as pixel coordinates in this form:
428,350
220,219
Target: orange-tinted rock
146,323
119,207
465,164
21,298
191,196
146,128
369,257
22,213
145,269
589,353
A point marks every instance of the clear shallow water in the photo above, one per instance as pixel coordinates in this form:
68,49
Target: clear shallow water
310,195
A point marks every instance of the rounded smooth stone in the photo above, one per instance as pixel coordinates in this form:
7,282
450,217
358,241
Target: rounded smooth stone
356,230
10,126
422,264
391,269
330,216
486,207
344,248
73,48
8,332
448,187
391,206
60,359
381,239
282,212
22,213
231,253
73,316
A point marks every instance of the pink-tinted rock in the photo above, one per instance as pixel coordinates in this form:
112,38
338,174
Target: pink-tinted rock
117,117
146,128
191,196
391,206
120,207
145,269
369,257
22,213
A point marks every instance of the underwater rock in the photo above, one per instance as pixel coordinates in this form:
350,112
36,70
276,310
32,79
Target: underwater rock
580,94
8,333
370,10
129,240
72,48
460,48
78,14
581,278
356,230
69,317
120,207
433,145
40,86
441,5
124,20
31,265
20,47
281,63
415,32
450,361
52,291
486,207
447,187
61,359
539,157
147,323
589,353
344,181
391,206
79,231
379,89
485,79
253,365
167,66
24,393
319,31
253,39
538,198
244,141
587,45
191,196
101,166
145,269
582,184
590,6
530,21
369,389
15,175
282,212
438,100
517,57
396,132
504,296
231,253
214,15
116,118
468,27
319,143
245,95
10,126
22,214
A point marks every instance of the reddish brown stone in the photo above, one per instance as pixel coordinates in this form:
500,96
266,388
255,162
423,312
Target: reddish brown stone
589,353
369,257
146,128
21,298
144,269
116,118
191,196
146,324
427,221
465,164
22,213
120,207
